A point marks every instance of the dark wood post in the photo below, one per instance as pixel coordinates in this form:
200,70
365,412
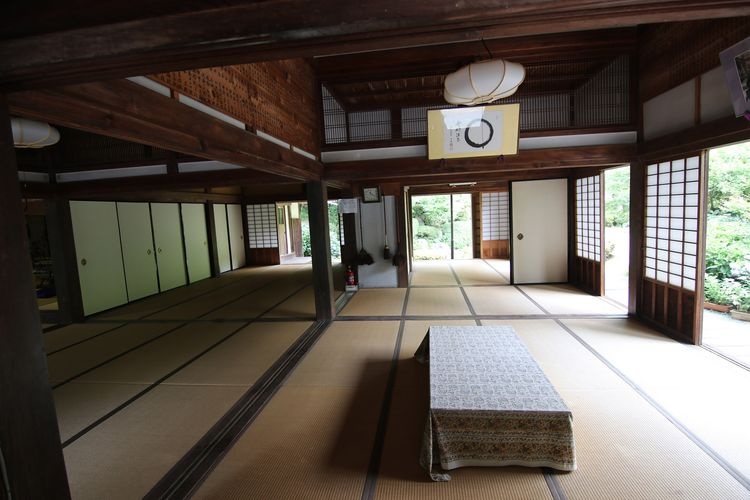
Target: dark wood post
213,252
637,214
320,247
64,265
29,436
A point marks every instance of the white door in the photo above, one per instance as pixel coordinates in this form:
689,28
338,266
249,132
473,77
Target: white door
236,235
222,237
539,218
138,249
196,241
99,255
170,256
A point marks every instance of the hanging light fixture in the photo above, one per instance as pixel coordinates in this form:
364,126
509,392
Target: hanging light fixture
33,134
483,82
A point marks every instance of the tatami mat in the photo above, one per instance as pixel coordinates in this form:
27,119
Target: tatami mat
126,455
242,359
432,274
376,302
344,351
564,299
301,304
308,443
476,272
78,404
315,437
704,392
253,304
436,302
500,300
156,359
70,334
76,359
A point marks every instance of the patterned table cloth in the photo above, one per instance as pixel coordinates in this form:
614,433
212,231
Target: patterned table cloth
490,403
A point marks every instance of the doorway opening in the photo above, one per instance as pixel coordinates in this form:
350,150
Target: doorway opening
617,234
726,314
442,227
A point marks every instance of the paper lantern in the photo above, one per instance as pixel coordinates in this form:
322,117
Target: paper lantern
483,82
33,134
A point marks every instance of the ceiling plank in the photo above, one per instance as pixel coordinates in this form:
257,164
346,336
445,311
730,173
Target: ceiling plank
128,111
248,32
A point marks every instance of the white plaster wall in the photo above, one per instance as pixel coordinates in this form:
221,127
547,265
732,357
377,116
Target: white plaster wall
715,100
382,273
672,111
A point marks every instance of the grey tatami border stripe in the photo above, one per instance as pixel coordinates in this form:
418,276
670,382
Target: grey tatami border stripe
52,328
555,488
463,292
186,476
373,470
717,351
368,492
532,300
739,476
506,278
486,317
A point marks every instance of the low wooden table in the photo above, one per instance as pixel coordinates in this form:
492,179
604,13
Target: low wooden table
490,403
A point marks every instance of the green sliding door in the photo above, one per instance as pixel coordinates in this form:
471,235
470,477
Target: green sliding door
170,256
196,241
138,249
222,237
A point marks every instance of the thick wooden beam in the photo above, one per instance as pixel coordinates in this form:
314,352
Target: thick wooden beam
234,33
320,248
526,160
29,436
717,133
125,110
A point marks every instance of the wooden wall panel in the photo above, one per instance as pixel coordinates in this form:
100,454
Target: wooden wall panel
277,97
673,53
263,257
495,249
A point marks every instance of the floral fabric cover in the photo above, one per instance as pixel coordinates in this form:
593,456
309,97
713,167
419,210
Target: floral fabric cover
490,403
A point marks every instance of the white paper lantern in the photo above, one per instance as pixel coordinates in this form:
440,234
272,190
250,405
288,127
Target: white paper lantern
483,82
33,134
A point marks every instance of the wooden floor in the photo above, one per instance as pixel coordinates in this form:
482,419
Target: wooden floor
136,388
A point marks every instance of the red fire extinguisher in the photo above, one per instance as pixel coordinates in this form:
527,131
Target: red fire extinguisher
350,280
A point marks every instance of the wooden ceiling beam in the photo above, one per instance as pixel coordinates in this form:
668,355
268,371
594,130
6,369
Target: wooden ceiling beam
443,59
124,110
525,160
255,31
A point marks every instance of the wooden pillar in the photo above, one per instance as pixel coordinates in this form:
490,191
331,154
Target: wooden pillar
65,267
637,215
29,436
320,247
402,272
213,252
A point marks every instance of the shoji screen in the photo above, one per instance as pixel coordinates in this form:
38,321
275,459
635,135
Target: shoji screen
588,261
263,236
495,225
672,226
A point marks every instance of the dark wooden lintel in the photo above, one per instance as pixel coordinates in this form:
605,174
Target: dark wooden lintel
525,161
125,110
